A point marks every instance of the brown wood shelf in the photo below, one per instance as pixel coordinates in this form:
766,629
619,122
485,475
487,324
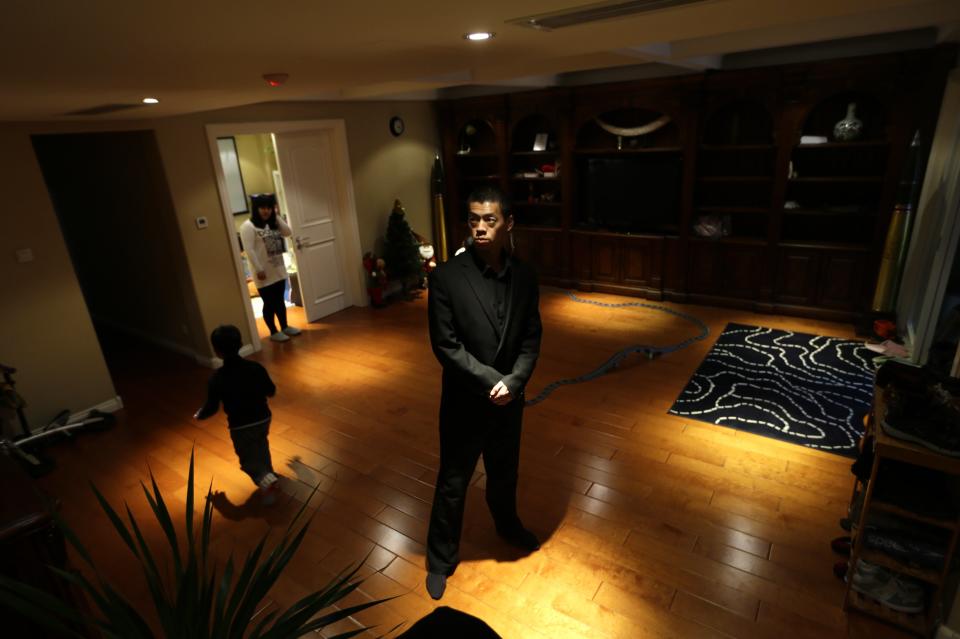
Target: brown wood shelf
914,623
909,514
535,153
734,209
737,147
893,448
865,144
825,212
882,559
735,178
479,178
631,151
818,244
731,239
839,179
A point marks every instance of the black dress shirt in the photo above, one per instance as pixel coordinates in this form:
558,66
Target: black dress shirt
498,286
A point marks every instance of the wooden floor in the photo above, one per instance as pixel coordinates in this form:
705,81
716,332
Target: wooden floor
652,525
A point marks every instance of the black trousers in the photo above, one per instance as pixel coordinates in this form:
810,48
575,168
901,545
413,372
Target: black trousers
272,296
470,427
251,446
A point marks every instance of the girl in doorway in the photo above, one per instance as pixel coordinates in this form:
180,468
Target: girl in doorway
262,237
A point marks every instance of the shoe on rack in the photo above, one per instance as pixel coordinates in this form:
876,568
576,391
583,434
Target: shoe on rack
868,577
889,348
841,545
840,570
901,594
292,330
909,549
897,592
931,418
279,337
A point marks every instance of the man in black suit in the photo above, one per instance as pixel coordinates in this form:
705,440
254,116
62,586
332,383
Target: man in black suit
485,331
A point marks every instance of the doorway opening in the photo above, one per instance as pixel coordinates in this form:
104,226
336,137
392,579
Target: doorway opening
306,167
113,203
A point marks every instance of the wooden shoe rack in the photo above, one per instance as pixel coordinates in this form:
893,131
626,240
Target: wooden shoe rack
887,448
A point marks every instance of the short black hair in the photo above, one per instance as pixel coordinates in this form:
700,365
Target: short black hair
490,194
267,200
226,340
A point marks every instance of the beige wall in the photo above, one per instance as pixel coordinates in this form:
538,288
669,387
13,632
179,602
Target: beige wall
49,336
257,160
115,211
45,330
383,167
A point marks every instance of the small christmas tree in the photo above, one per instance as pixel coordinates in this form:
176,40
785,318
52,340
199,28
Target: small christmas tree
401,250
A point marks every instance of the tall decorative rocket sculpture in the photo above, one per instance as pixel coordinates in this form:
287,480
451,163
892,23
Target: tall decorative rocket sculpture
898,234
439,223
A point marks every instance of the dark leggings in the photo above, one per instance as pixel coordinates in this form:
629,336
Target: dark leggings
272,296
251,445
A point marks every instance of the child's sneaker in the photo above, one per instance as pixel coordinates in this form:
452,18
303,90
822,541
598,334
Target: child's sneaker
292,330
269,489
279,337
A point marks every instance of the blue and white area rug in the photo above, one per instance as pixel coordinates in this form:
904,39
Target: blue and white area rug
804,389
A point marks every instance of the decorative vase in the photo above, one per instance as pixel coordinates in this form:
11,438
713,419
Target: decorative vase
849,128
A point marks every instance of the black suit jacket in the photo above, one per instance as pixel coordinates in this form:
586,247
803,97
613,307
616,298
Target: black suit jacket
466,337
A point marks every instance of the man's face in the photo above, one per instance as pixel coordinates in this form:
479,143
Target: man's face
488,227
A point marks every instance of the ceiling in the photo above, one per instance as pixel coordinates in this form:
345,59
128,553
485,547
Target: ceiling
60,57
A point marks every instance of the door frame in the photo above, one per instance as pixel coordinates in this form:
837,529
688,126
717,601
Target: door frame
351,254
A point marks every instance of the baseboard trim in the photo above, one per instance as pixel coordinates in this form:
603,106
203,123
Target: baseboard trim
111,405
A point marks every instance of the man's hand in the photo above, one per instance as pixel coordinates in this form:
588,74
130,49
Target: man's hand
500,394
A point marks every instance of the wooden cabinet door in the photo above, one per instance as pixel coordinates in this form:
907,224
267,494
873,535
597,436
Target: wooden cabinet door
548,262
637,261
605,259
797,276
703,268
580,254
841,282
743,271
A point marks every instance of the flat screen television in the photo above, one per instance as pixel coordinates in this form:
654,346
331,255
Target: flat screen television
636,194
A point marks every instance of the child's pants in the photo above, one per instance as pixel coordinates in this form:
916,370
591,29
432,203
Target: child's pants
251,445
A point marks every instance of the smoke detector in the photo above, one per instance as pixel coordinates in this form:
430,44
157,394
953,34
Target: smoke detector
276,79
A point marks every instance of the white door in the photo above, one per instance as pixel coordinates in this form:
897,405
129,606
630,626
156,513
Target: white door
313,199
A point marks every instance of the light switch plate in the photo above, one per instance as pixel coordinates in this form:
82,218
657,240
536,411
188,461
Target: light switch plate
24,255
201,222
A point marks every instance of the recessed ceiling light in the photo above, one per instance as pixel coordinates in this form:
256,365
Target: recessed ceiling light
479,36
151,101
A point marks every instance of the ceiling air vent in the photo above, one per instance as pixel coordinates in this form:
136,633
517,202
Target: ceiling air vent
104,108
597,11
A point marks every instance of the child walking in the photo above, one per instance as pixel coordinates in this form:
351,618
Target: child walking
243,387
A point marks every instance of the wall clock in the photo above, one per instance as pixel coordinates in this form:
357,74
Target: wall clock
397,126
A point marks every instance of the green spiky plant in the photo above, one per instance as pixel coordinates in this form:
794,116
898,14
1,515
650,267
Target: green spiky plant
199,601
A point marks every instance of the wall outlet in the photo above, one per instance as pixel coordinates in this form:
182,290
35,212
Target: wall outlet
201,222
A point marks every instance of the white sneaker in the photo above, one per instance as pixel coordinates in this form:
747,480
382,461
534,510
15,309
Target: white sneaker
280,337
292,330
269,489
